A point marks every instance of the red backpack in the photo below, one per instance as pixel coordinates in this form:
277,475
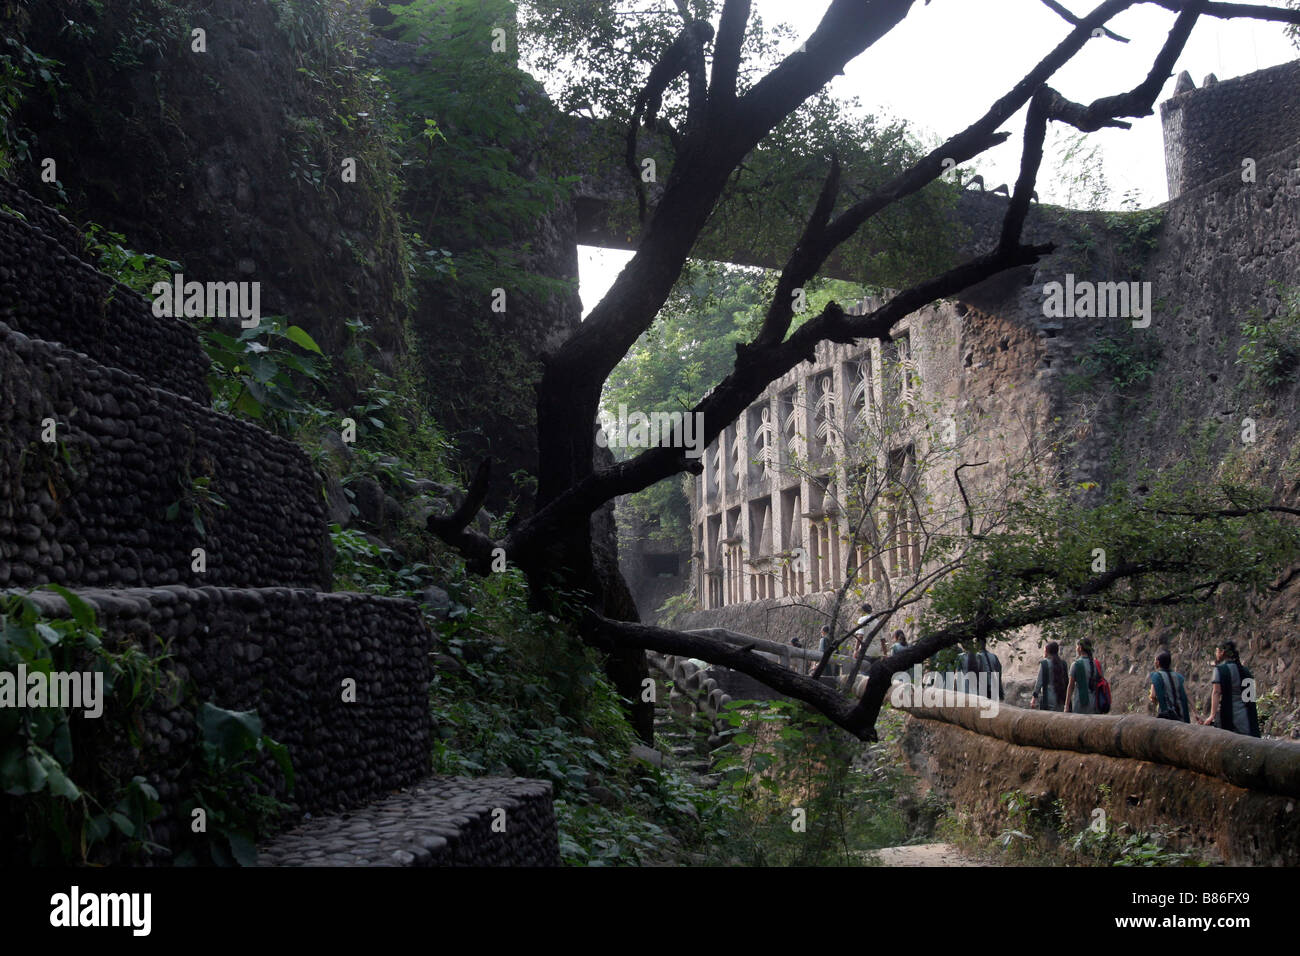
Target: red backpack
1100,688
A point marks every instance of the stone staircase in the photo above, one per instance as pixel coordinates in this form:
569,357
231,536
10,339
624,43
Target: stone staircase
685,728
203,540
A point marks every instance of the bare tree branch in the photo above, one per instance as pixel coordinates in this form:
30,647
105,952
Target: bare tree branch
453,528
1073,20
1252,11
970,518
603,632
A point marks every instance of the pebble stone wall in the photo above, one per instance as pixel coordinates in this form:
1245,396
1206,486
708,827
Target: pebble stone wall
92,508
285,653
46,290
456,821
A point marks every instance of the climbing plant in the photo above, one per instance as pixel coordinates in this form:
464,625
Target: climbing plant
1270,348
61,802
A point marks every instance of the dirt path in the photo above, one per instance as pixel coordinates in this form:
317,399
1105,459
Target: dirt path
927,854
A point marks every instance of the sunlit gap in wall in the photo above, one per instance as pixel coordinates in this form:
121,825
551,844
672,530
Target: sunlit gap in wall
597,270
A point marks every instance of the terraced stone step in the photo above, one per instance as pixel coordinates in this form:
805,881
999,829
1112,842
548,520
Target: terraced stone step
44,217
285,653
138,477
441,821
48,291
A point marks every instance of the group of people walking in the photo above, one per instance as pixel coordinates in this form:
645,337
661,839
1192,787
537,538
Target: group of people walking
1080,688
1074,689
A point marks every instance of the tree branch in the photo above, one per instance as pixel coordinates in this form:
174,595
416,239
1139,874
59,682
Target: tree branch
606,633
1252,11
453,528
726,54
1071,19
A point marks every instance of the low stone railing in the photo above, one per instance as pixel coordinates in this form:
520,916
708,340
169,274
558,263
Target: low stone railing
1222,794
1270,766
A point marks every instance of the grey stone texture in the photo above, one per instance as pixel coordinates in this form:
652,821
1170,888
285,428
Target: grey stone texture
92,508
1209,132
220,179
285,653
442,821
1225,795
1007,373
48,290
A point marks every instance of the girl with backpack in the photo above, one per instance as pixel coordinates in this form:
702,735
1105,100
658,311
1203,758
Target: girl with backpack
1088,692
1232,700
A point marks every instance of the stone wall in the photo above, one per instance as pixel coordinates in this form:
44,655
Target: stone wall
1224,249
457,821
44,218
284,653
1011,376
1209,132
46,290
773,619
228,161
92,507
1232,796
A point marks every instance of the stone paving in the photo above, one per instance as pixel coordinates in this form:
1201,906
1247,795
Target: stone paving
441,821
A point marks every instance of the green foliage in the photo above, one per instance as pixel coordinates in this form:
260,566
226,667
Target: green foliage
198,499
1135,233
1270,350
238,803
673,607
1039,833
255,374
1079,179
1120,361
137,271
1116,244
463,117
57,800
516,693
391,411
21,68
1035,570
781,757
594,58
351,111
128,35
360,564
688,350
1122,846
269,373
62,803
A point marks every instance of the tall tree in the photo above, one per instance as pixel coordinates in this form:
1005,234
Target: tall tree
726,117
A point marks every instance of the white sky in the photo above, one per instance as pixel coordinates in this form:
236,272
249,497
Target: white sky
946,63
